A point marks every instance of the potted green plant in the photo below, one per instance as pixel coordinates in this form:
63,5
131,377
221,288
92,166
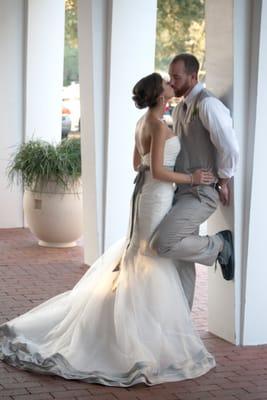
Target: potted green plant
51,176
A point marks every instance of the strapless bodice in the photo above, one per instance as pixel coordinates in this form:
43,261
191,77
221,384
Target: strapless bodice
171,149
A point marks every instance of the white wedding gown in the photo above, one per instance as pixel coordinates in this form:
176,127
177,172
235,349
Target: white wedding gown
116,328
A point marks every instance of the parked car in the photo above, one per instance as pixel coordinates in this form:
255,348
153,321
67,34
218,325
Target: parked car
66,122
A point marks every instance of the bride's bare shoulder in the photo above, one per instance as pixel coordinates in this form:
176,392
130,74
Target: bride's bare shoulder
148,126
157,128
154,123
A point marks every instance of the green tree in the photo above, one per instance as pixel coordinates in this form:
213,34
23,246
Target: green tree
71,55
71,25
180,28
71,65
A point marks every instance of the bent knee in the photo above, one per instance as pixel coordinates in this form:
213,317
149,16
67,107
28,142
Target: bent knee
163,246
173,249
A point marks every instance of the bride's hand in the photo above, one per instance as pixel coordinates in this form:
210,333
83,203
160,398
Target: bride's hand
203,177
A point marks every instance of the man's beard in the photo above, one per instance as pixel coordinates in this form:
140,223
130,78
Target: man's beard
182,91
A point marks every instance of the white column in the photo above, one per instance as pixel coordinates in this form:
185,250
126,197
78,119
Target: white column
219,66
12,37
132,53
242,93
114,54
237,309
93,110
44,69
254,293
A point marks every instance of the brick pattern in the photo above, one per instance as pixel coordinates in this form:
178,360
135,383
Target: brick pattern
30,275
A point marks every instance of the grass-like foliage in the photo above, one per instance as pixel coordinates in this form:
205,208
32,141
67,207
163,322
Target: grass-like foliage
37,162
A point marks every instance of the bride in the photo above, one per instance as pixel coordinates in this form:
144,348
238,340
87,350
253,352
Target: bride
127,320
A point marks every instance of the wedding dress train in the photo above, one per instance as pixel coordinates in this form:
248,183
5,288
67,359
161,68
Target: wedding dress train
121,327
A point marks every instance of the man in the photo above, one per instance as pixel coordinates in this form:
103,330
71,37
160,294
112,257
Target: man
208,141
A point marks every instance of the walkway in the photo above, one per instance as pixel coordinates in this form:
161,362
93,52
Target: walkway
30,274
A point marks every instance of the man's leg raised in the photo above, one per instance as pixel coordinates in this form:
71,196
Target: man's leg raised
177,238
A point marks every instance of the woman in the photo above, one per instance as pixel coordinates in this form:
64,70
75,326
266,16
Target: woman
126,321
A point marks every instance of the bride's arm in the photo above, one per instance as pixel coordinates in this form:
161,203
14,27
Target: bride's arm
136,159
161,173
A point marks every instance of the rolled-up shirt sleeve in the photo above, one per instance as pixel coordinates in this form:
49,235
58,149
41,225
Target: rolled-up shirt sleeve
217,120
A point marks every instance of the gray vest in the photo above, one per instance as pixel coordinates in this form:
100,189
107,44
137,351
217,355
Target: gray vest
197,150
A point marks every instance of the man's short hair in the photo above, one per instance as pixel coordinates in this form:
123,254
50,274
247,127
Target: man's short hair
190,62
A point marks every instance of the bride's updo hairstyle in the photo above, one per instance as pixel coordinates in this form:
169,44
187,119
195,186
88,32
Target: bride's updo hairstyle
147,90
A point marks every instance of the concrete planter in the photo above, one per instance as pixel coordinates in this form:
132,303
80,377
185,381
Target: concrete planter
55,215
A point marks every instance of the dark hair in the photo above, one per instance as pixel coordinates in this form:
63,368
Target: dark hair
190,62
147,90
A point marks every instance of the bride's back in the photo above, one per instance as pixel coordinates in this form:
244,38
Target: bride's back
144,129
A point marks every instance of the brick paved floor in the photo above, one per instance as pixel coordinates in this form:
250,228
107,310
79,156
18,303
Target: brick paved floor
30,274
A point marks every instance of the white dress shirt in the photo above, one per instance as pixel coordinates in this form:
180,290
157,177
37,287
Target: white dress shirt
217,120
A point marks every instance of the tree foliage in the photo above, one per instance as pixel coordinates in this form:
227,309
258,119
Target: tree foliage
71,67
71,25
180,28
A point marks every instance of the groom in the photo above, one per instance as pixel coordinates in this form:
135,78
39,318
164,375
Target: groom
204,126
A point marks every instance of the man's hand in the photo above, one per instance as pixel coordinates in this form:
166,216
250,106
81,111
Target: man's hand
224,193
202,177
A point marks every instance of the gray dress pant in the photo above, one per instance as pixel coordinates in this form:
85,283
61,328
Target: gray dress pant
177,236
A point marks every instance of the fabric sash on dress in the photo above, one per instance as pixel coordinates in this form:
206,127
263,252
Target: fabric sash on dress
139,182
